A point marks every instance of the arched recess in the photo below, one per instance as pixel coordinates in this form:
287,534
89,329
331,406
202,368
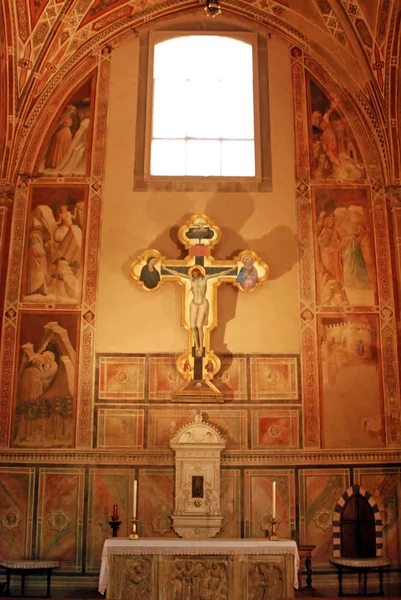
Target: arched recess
367,133
45,111
338,512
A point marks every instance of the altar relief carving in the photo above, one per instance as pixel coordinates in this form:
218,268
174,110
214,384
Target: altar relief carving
198,448
203,579
266,581
136,584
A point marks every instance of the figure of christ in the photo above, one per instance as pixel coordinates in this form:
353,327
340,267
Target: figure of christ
199,306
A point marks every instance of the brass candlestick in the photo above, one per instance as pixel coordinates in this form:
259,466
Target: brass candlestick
273,537
134,535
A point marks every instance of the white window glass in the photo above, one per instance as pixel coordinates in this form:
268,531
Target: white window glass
168,121
203,108
204,116
203,158
168,156
238,159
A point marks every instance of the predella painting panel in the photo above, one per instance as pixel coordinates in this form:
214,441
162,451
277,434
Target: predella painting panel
67,147
345,248
54,248
334,152
45,381
352,407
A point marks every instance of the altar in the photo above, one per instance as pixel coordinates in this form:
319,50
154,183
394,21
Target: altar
177,569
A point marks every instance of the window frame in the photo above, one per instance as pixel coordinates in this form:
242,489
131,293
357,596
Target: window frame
262,180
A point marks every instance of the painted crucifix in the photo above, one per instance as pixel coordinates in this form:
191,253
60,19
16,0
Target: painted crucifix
200,275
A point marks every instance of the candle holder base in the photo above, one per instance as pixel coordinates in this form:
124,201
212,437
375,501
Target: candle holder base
134,535
273,537
115,525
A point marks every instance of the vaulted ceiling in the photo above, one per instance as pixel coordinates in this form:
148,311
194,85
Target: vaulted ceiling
356,41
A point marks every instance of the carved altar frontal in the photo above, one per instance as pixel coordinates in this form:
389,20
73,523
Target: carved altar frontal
199,570
206,577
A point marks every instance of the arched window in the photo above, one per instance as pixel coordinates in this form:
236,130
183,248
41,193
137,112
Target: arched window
199,127
203,107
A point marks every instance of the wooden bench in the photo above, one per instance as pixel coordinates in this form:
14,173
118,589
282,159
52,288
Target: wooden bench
27,567
360,566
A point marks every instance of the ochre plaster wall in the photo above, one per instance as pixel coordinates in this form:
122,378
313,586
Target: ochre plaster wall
130,320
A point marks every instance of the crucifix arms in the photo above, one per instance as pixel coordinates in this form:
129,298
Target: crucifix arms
200,270
222,273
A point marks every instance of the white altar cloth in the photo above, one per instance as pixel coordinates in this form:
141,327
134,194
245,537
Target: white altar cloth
193,548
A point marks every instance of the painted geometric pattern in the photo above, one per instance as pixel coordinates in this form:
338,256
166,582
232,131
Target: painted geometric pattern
232,424
164,379
164,424
230,503
274,378
16,510
275,429
60,516
384,485
319,490
118,428
156,502
107,487
121,378
232,378
258,488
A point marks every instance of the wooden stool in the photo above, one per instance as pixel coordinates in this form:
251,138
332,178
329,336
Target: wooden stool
305,555
361,566
27,567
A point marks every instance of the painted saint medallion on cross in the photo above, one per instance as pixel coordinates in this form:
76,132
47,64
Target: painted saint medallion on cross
200,275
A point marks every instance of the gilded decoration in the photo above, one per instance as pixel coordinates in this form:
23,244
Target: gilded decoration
200,275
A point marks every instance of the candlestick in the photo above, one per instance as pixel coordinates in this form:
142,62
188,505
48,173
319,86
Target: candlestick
134,509
134,535
274,500
273,537
115,525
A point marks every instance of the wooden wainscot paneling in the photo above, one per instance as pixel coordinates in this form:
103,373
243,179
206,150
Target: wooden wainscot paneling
107,487
60,516
156,502
319,491
258,486
384,486
230,503
16,510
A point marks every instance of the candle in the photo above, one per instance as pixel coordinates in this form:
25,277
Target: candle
135,499
274,500
115,511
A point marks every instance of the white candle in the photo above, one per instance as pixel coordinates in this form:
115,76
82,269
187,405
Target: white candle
135,498
274,500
